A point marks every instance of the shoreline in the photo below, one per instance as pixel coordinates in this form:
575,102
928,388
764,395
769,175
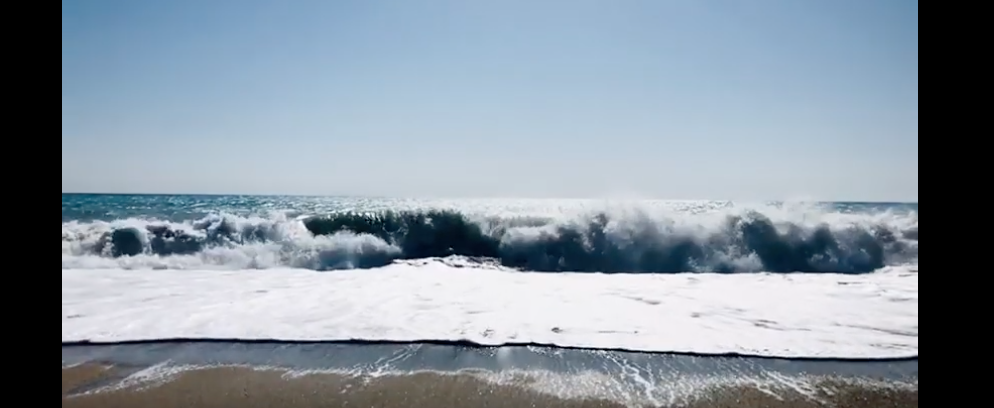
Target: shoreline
252,387
377,357
467,344
427,375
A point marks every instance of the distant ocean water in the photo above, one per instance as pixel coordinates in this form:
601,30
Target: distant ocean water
821,280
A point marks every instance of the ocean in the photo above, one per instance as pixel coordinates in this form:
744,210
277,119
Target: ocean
629,303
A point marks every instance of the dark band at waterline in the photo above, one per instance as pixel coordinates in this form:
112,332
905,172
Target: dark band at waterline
466,345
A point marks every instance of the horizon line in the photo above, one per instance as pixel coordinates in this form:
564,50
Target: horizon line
371,196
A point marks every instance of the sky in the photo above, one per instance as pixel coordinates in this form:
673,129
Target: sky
672,99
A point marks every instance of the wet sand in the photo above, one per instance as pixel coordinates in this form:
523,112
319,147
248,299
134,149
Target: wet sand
246,388
74,377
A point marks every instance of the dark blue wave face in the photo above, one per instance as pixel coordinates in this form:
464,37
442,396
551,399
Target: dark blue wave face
841,238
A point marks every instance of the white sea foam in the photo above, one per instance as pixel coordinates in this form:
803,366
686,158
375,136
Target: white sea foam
783,315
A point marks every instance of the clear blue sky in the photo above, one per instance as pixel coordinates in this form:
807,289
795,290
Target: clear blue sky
764,99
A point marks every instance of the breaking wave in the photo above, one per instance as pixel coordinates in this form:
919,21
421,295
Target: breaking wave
633,242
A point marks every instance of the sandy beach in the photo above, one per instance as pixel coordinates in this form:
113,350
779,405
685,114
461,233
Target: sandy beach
247,388
75,377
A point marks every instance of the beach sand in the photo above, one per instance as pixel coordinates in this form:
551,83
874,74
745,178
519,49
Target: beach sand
74,377
246,388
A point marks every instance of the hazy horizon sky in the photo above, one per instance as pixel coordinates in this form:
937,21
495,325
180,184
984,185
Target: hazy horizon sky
772,99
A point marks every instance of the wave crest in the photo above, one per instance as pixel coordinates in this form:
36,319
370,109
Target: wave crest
631,242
